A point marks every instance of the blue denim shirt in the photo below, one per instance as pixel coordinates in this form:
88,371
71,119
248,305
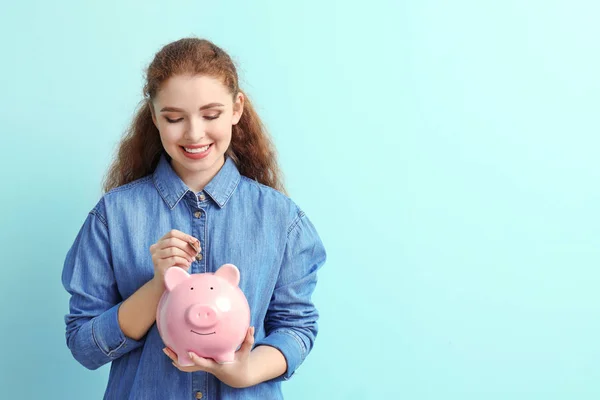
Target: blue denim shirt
237,220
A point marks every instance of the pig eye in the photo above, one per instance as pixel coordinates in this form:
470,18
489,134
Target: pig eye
211,288
191,288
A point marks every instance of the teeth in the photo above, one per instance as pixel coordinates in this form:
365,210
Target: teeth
199,150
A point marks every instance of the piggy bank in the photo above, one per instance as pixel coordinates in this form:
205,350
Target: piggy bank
205,313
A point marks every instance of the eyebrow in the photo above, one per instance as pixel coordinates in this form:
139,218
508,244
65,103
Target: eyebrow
204,107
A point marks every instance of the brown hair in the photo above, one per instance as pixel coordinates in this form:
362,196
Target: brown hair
140,148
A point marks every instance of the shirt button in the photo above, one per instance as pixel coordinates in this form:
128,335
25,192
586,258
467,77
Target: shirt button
199,257
198,214
198,395
201,197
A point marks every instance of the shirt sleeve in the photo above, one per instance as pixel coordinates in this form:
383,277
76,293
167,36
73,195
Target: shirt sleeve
93,333
291,320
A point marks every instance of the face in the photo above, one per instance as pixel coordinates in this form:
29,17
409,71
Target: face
195,116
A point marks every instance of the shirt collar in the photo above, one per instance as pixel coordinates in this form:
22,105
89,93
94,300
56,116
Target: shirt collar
172,189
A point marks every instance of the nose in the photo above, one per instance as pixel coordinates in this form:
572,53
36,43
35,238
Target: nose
195,130
202,316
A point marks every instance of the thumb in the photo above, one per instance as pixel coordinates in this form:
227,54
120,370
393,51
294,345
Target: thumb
248,341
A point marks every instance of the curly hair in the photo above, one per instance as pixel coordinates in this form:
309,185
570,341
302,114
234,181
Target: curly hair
140,147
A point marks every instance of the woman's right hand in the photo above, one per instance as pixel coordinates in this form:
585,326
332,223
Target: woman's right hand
173,249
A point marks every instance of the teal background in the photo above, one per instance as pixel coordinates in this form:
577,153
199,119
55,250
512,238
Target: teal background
447,152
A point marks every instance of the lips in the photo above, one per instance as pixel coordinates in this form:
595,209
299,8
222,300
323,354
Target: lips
196,155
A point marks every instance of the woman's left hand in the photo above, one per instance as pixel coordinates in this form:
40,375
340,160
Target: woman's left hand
236,374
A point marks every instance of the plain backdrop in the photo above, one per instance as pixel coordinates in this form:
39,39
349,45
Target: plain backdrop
446,151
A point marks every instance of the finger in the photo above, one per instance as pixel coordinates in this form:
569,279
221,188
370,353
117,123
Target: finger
173,252
205,363
175,361
248,341
186,245
165,264
183,236
170,353
178,248
186,369
174,233
174,261
161,251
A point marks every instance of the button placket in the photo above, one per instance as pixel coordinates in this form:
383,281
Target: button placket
197,215
199,230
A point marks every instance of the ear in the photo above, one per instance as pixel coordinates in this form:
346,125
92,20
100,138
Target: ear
238,108
230,273
151,107
174,276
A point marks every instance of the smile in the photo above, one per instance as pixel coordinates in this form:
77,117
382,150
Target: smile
196,150
203,334
196,153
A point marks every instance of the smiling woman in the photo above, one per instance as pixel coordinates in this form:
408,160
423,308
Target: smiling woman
191,98
194,129
195,182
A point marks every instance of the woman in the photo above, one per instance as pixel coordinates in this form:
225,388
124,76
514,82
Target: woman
195,167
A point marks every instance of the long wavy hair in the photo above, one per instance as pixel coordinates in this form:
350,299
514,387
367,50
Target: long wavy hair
140,147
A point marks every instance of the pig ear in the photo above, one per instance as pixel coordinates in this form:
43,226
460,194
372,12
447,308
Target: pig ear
230,273
174,276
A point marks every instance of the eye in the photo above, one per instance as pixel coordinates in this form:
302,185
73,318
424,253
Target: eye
211,288
211,117
191,288
173,121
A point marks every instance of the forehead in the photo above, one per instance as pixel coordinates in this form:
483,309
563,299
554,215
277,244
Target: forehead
192,91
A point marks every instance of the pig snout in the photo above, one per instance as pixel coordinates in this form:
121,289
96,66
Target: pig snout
202,316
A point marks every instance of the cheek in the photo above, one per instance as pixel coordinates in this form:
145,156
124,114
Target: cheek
170,133
222,132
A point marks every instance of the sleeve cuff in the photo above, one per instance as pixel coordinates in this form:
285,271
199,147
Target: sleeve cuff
109,337
291,345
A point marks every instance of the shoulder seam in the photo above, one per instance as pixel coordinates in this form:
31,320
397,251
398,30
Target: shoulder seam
130,184
257,183
100,217
296,221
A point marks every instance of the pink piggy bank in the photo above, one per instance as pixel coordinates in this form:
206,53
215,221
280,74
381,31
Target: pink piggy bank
205,313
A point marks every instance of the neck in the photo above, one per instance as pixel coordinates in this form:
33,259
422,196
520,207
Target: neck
197,180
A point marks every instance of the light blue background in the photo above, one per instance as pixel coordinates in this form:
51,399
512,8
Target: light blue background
446,151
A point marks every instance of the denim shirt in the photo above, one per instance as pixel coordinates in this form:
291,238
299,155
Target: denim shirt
237,220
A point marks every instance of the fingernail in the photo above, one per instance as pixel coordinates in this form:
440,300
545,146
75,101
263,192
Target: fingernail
191,355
